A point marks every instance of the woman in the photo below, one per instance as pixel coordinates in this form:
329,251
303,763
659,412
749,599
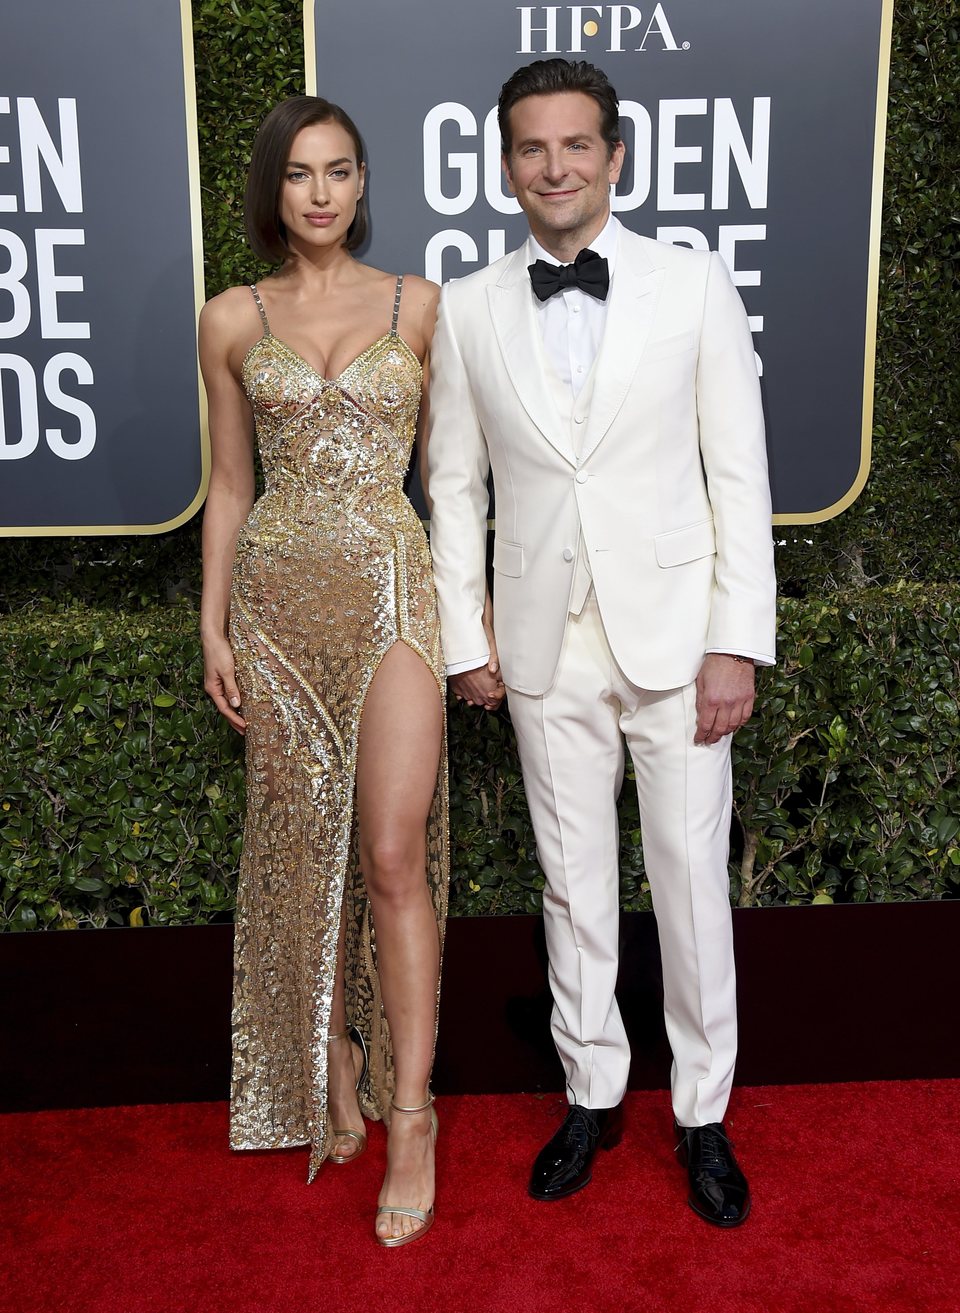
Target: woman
325,652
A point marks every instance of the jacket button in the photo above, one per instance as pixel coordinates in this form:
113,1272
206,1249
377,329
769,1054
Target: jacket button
582,476
568,553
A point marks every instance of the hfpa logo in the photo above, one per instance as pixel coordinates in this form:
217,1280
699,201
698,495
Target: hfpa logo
544,27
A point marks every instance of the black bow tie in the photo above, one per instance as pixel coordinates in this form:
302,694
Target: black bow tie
589,272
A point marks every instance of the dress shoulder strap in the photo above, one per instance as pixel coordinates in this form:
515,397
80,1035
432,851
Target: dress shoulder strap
263,313
396,304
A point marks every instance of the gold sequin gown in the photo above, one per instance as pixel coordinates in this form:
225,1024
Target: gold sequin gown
332,568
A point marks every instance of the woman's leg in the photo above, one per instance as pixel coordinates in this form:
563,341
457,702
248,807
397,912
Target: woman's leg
399,755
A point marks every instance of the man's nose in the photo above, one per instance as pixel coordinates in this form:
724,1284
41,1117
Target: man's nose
554,165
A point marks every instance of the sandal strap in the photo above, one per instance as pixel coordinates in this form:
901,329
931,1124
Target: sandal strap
359,1136
420,1108
418,1214
344,1034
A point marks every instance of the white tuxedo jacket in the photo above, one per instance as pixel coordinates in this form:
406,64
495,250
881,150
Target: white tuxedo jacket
670,491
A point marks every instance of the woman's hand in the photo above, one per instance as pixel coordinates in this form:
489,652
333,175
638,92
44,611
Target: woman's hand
483,686
220,681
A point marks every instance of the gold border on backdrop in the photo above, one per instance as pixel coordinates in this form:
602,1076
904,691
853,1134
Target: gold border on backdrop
873,261
196,249
873,278
309,47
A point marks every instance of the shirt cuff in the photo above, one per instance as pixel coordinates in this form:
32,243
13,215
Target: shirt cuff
461,667
755,657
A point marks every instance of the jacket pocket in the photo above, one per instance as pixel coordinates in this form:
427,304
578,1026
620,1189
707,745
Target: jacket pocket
668,346
507,558
678,546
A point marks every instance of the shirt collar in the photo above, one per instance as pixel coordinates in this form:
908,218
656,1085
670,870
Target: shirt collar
605,244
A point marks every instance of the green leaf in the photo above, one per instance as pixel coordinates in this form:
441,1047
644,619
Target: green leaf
947,828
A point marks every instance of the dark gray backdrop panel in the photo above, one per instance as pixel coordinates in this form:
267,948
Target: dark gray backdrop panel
124,66
818,63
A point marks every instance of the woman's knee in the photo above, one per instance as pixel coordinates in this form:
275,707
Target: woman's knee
394,867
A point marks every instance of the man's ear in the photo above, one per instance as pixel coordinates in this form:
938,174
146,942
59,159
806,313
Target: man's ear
617,159
505,163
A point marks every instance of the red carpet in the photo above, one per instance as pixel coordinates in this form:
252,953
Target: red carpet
143,1210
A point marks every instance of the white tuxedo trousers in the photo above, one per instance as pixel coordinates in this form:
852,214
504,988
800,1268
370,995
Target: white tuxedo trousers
571,751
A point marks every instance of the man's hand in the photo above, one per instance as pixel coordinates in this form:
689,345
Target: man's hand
483,686
724,696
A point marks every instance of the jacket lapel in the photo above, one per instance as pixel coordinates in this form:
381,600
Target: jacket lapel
634,293
518,333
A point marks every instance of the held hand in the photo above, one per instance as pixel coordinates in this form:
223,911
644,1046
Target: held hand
482,687
220,681
725,689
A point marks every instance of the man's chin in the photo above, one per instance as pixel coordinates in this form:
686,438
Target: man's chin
558,221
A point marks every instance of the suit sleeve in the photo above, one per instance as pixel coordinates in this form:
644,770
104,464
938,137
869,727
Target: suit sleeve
457,464
734,453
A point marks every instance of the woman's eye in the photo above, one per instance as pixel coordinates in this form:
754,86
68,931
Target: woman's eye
295,175
339,173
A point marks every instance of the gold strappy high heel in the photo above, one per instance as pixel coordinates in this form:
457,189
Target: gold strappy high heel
351,1033
419,1214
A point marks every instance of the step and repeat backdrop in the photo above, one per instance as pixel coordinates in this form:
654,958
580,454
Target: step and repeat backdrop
751,128
101,427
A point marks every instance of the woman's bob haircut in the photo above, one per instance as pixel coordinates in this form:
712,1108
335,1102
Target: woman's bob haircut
268,162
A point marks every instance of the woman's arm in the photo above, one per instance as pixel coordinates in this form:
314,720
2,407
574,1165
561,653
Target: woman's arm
481,686
425,296
228,500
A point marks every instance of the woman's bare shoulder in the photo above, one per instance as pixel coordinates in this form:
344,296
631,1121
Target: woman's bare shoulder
227,307
420,289
415,288
229,321
229,325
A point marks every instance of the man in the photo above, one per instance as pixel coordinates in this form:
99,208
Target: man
613,391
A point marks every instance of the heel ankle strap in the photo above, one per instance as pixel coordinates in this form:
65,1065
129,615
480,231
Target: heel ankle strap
344,1034
421,1108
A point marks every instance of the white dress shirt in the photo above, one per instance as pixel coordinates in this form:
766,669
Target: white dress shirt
572,321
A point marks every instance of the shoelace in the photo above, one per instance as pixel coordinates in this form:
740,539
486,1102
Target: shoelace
714,1152
581,1128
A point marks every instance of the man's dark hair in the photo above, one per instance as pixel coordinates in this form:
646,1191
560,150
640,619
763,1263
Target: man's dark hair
545,77
268,162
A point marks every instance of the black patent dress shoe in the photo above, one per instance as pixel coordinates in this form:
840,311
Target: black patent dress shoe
718,1189
564,1164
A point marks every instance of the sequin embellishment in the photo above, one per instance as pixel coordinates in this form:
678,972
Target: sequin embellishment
332,568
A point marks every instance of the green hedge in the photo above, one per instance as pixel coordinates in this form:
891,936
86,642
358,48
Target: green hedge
122,791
